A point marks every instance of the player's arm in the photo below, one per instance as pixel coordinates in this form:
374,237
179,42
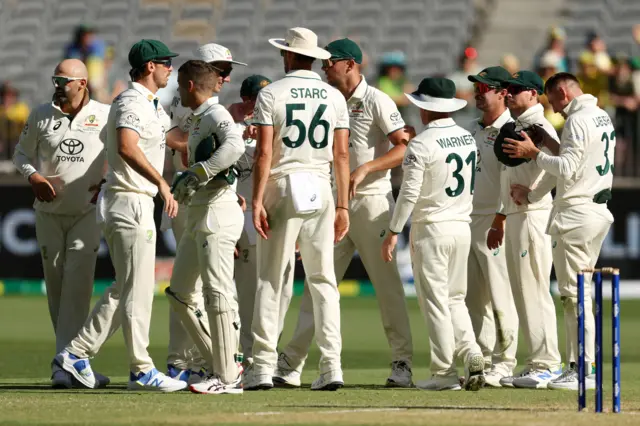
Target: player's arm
341,169
177,139
570,154
178,134
263,115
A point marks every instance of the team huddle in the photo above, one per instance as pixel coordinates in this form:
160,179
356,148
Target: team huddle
303,165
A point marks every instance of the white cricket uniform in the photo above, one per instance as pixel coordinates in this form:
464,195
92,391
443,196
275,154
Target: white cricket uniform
489,297
373,116
304,112
438,186
579,221
182,353
69,153
214,225
125,208
528,253
246,266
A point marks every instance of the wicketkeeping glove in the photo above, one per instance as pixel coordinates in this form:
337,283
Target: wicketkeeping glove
185,185
508,130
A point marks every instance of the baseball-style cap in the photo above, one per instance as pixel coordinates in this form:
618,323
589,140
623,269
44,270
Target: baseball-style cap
493,76
252,85
436,94
345,49
528,79
147,50
213,52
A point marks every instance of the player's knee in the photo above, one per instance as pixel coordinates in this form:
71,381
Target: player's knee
217,302
187,299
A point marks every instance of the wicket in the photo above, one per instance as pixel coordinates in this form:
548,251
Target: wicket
615,337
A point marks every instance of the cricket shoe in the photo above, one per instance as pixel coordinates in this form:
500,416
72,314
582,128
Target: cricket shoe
401,375
440,383
285,375
79,368
330,381
212,385
60,379
537,378
507,382
178,373
474,372
154,381
568,380
253,382
493,378
197,376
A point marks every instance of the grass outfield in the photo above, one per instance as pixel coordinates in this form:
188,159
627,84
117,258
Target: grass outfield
26,349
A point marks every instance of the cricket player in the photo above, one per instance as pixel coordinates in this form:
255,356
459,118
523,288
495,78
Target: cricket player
61,153
184,361
302,127
136,140
528,248
489,297
438,185
214,225
246,268
374,121
583,166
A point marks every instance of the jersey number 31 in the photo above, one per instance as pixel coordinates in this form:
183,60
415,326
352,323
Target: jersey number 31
470,160
303,132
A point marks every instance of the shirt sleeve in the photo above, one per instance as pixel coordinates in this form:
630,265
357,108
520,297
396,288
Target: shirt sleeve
572,148
231,144
342,112
180,116
263,110
387,115
413,168
24,156
128,116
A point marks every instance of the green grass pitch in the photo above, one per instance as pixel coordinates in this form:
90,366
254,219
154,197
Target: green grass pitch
27,346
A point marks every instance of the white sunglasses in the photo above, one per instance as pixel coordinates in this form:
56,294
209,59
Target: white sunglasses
61,80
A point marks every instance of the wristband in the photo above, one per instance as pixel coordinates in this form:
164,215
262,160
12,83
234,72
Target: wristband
394,232
344,208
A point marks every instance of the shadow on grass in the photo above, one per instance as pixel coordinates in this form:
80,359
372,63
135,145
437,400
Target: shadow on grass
8,387
409,407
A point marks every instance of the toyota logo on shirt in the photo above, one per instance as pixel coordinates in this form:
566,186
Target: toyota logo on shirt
71,146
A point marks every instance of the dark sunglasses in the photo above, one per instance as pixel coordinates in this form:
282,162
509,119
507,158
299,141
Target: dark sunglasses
165,62
223,73
328,63
482,88
513,89
61,81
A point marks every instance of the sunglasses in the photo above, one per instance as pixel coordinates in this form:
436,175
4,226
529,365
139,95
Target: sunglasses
165,62
328,63
61,81
223,73
482,88
516,90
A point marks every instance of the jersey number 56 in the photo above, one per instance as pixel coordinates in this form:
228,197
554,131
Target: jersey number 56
305,131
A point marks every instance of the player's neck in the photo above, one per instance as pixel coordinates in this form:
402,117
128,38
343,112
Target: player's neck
517,112
72,108
351,84
148,83
490,116
198,100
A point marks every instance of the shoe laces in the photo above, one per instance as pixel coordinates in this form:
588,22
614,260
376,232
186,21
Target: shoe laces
567,375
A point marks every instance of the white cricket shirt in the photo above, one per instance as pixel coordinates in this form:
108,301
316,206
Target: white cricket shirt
69,153
584,166
372,117
439,176
528,174
137,109
486,197
304,112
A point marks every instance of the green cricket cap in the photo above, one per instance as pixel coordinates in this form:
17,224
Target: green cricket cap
147,50
345,49
528,79
253,84
493,76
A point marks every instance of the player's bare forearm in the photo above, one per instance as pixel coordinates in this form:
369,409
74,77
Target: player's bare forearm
132,155
177,139
341,165
262,166
393,158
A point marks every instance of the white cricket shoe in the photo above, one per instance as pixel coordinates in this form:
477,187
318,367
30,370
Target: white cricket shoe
212,385
507,382
154,381
474,372
493,378
60,379
440,383
568,380
253,382
401,375
537,378
285,375
330,381
78,367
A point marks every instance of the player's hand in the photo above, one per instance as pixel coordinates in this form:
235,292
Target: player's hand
340,225
42,188
242,202
356,179
388,246
260,220
520,149
411,131
250,132
96,190
170,204
520,194
236,252
496,233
